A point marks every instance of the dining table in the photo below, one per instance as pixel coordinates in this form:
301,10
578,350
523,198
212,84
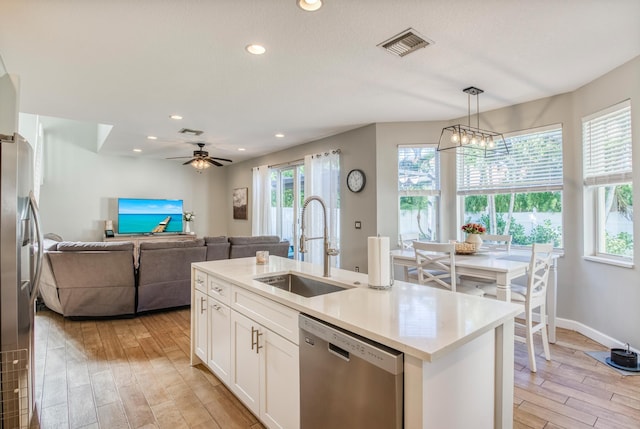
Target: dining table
498,266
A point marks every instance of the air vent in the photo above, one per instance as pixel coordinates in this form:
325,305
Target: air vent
190,132
406,42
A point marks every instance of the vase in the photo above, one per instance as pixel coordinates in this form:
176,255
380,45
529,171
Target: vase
187,227
475,240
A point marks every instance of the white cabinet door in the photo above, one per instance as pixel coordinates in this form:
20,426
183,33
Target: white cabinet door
245,368
280,382
219,353
201,334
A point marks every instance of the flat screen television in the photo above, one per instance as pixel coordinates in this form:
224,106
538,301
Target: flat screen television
149,216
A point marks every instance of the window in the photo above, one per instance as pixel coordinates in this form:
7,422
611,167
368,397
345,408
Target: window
606,143
419,191
519,193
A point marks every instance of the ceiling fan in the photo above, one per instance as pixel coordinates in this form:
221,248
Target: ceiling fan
201,159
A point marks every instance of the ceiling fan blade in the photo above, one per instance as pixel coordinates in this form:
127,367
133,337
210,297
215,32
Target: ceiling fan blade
190,161
211,161
220,159
178,157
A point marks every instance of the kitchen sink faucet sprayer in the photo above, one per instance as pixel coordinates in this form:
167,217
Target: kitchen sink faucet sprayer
327,250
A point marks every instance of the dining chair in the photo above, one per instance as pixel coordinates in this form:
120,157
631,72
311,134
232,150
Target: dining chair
407,239
532,295
496,242
492,242
435,263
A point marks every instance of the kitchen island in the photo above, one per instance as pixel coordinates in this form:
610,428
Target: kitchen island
458,364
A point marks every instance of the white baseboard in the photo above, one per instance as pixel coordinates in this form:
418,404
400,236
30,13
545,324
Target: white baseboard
588,332
591,333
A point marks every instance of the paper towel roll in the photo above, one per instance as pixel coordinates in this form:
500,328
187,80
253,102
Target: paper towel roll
379,262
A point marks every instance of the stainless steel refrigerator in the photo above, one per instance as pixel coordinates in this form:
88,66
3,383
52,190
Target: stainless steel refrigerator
20,264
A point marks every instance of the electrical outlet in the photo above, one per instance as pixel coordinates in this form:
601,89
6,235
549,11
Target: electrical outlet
357,269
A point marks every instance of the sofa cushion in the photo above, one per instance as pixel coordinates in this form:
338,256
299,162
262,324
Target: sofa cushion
164,276
258,239
276,248
155,245
76,246
95,282
217,248
219,239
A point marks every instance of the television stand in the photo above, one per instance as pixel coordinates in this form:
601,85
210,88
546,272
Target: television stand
136,239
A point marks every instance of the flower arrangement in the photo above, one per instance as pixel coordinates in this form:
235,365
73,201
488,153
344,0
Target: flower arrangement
473,228
188,216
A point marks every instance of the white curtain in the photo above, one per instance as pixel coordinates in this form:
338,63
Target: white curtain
261,223
322,179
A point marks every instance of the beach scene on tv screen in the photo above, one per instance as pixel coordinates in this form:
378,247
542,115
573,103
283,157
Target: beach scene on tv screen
142,216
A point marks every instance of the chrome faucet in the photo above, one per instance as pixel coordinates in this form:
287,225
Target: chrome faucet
327,250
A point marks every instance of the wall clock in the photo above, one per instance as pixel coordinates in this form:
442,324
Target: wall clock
356,180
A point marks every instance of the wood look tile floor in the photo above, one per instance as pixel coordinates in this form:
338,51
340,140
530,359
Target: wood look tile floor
135,373
127,373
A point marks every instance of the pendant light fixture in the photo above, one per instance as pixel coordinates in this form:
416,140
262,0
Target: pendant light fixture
468,140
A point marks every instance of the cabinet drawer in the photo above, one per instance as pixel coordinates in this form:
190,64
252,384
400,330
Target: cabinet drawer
200,280
219,289
274,316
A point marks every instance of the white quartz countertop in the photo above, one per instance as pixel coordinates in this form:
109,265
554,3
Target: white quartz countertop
418,320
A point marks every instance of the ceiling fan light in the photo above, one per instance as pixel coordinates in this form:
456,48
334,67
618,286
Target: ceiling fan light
200,164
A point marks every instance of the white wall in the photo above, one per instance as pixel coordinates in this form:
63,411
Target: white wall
9,102
81,186
604,297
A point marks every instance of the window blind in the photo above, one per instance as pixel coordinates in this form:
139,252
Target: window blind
418,170
606,142
534,164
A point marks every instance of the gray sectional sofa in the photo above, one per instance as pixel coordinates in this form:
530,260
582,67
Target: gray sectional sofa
89,279
96,279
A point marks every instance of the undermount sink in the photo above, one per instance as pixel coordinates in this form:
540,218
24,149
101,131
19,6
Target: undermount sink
299,285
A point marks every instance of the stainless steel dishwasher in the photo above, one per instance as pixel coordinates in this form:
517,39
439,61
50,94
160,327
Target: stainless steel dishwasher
347,381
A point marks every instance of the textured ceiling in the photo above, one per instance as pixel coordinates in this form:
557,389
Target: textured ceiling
131,64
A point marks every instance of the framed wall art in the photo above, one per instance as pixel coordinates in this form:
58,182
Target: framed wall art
240,203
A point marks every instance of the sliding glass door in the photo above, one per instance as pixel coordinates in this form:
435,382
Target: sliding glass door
287,196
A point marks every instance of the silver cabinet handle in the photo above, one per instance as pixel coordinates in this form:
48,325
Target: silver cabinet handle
218,289
203,307
199,280
253,343
216,307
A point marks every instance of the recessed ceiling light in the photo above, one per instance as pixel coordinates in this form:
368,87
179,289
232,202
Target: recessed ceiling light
137,150
310,5
176,117
256,49
280,135
241,149
152,138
